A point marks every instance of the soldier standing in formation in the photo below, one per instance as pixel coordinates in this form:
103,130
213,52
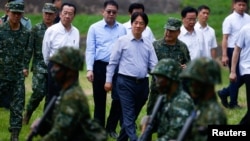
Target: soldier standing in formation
203,74
71,116
177,105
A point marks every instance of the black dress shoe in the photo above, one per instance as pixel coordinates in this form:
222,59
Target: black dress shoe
235,106
223,100
113,134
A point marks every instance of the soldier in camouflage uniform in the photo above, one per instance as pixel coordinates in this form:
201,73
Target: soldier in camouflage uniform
24,20
14,62
168,47
203,74
39,69
177,104
71,116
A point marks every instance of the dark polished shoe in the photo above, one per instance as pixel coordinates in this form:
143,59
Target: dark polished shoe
223,100
235,106
113,134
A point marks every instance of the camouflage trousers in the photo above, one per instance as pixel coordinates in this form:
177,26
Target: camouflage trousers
16,90
39,88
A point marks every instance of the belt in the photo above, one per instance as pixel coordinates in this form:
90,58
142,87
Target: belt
101,62
135,79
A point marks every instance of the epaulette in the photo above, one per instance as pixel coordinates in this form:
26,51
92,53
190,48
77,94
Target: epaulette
25,18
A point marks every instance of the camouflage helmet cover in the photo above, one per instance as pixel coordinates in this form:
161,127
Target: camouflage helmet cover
173,24
68,57
204,70
16,6
168,68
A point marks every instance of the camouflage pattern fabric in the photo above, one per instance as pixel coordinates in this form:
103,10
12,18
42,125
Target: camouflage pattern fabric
13,59
206,72
69,57
173,115
39,69
168,68
210,113
173,24
203,70
178,52
72,120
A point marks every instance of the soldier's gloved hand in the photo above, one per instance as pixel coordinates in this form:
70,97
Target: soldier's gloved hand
35,124
25,72
144,123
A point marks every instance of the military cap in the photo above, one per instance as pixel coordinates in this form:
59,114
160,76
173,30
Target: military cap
16,6
68,57
168,68
173,24
49,8
204,70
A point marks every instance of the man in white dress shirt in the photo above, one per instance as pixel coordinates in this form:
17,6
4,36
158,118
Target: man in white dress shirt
56,36
207,31
189,35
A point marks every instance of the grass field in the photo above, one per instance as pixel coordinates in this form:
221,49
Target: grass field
156,21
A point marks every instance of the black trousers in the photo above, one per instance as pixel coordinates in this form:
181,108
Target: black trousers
53,88
99,93
246,119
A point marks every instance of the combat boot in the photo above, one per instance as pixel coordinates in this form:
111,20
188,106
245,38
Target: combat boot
14,135
26,117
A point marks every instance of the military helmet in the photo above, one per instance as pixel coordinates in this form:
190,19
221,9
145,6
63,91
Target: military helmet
204,70
168,68
68,57
15,6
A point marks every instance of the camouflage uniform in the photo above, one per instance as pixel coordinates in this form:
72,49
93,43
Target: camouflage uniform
13,59
177,107
179,52
24,20
39,69
206,72
71,117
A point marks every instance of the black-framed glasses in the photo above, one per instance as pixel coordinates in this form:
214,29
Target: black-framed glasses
111,11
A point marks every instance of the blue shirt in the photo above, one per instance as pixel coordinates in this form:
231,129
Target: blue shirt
100,38
135,58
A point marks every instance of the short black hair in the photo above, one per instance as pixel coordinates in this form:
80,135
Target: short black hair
70,5
137,14
110,2
203,7
133,6
235,1
188,9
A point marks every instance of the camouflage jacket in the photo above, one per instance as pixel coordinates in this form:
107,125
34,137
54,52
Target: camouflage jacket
178,52
72,120
210,113
173,115
36,41
26,22
14,48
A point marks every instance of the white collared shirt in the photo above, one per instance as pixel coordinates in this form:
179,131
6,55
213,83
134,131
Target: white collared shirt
209,37
232,25
56,36
194,42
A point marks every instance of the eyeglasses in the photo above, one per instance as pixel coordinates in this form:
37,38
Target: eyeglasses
111,11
